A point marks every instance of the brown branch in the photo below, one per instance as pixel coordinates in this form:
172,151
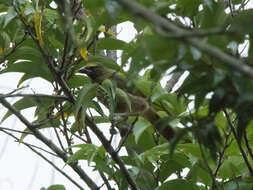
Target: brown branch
64,124
47,160
172,81
17,131
214,183
13,48
248,145
222,153
48,59
112,152
238,143
126,136
49,143
168,27
34,96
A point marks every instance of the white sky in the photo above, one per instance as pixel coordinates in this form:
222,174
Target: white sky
20,168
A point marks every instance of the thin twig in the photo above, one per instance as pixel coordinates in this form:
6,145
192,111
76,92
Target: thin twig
214,184
221,154
238,143
48,59
59,139
47,160
18,89
14,48
78,136
230,5
172,29
248,145
126,136
64,51
112,152
17,131
105,180
34,96
65,129
49,143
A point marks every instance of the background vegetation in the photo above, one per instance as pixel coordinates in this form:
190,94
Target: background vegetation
210,113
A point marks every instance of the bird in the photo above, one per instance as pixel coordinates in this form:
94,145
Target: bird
139,104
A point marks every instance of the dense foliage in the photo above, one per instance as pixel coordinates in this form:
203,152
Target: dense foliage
210,113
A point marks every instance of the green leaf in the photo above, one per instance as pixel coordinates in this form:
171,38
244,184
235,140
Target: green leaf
178,184
30,101
145,142
77,81
86,152
31,70
173,164
189,148
241,23
172,103
56,187
214,17
154,154
85,96
4,40
84,99
111,44
220,120
110,89
198,173
99,119
237,184
139,127
55,123
96,106
105,61
232,165
27,52
11,14
123,102
187,8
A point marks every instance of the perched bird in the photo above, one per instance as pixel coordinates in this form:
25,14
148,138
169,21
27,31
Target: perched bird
138,105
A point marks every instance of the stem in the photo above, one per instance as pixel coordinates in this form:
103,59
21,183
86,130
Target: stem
169,28
113,153
49,143
47,160
239,143
248,145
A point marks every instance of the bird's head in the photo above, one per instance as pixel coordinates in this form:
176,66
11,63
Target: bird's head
95,71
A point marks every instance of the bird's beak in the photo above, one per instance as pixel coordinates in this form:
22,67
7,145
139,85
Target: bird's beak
84,70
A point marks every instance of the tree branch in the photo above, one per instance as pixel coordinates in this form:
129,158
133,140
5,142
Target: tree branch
248,145
47,160
13,49
48,59
169,28
49,143
34,96
111,151
172,81
238,143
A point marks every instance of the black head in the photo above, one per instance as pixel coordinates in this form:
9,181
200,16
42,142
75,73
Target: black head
93,71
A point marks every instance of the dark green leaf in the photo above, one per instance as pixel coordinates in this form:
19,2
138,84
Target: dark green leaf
178,184
139,127
111,44
84,99
56,187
